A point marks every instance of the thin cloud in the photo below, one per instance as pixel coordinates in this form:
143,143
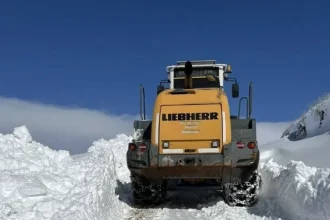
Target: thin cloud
270,131
72,129
75,129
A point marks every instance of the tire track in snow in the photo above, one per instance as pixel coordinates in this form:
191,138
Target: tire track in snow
138,214
182,204
198,203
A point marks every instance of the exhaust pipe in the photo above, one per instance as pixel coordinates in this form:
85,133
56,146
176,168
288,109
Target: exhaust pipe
188,78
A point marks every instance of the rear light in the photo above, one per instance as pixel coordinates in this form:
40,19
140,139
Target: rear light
215,144
142,147
132,146
251,145
240,145
166,144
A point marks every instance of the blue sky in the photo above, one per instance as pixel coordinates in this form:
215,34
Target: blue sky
95,55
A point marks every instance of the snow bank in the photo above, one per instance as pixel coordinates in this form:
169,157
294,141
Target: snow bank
291,189
296,168
298,191
39,183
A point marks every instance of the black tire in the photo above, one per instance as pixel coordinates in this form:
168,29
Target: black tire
146,192
243,194
172,184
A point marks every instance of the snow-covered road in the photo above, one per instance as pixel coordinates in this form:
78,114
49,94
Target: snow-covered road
37,182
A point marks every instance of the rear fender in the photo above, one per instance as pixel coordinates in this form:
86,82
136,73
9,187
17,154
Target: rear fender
241,163
142,135
244,130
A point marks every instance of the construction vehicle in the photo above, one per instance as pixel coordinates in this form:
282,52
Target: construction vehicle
192,136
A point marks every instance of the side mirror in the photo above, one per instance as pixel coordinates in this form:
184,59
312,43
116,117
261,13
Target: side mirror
235,90
160,88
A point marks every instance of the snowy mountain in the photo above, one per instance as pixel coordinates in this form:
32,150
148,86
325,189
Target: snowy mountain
37,182
311,123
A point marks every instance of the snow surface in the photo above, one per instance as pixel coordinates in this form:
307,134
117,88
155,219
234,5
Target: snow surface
37,182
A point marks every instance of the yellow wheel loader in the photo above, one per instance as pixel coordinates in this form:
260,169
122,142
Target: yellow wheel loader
192,137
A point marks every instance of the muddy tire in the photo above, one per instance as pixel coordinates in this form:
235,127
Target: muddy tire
243,194
172,185
146,192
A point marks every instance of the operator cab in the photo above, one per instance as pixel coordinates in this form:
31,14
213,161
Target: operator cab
202,74
199,72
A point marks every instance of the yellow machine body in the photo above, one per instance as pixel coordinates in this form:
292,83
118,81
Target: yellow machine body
190,122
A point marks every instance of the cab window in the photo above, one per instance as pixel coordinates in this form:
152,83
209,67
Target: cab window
200,82
198,78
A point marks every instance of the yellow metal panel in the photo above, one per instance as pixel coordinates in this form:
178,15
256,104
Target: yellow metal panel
190,134
178,102
203,129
